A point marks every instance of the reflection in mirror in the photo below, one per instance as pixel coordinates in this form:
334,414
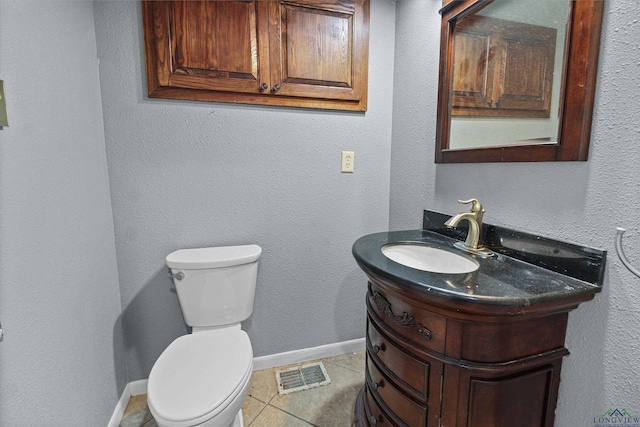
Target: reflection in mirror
507,68
517,80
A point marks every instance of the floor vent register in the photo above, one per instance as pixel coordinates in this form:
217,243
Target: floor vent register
301,378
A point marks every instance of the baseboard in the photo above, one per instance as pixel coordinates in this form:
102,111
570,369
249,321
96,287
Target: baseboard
138,387
135,388
307,354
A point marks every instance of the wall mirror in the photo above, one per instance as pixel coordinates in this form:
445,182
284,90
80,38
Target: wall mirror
517,80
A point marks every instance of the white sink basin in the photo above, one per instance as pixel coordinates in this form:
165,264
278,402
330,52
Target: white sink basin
429,259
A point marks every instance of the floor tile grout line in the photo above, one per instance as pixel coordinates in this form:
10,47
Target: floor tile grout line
260,400
272,397
293,415
258,414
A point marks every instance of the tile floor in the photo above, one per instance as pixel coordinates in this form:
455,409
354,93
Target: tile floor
330,405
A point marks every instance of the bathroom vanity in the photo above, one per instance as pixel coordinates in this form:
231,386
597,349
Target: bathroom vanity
482,348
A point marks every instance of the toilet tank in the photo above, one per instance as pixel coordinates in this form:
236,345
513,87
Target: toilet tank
216,286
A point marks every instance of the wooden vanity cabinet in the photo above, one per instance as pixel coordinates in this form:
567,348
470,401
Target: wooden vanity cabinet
299,53
440,362
502,68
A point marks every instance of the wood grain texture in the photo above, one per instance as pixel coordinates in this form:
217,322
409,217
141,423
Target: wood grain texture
487,366
502,68
577,91
306,53
500,402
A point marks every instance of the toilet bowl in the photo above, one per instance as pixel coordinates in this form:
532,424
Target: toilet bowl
201,379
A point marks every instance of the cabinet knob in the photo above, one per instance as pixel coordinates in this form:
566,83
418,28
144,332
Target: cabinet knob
376,349
377,384
490,103
498,103
264,86
276,88
374,420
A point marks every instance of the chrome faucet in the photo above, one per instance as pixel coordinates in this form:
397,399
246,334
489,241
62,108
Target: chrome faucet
472,243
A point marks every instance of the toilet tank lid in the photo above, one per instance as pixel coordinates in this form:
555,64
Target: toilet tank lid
217,257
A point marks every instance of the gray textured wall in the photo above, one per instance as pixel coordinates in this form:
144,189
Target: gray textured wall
188,174
581,202
60,361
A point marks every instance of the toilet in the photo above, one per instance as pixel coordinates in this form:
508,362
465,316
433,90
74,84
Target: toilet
202,378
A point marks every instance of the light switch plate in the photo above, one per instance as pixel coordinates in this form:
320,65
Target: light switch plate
3,107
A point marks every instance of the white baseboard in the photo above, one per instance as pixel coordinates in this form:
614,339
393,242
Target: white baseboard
307,354
116,417
135,388
138,387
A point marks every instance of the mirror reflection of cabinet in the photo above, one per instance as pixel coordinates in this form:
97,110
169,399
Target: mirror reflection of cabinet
570,114
502,68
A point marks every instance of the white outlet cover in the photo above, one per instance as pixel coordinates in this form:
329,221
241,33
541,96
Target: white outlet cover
348,159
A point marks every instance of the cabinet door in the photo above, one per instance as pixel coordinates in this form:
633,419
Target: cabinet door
474,53
319,49
526,71
212,45
502,68
526,398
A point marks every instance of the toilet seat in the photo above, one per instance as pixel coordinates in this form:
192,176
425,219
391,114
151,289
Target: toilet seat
199,375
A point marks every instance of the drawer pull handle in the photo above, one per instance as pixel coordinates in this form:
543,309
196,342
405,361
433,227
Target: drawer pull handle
405,319
374,420
376,385
377,348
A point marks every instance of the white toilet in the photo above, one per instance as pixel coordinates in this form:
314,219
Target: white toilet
202,378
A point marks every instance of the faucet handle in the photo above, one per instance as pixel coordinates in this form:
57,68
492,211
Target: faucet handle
475,204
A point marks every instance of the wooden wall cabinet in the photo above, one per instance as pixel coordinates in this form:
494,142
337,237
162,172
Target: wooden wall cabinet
301,53
438,362
502,68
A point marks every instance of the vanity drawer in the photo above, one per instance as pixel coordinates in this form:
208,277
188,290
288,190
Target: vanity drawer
404,408
375,415
421,327
404,369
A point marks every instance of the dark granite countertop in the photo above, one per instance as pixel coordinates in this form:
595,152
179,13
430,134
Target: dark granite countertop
525,270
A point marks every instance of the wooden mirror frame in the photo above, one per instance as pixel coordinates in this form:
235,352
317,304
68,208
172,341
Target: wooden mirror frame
577,92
